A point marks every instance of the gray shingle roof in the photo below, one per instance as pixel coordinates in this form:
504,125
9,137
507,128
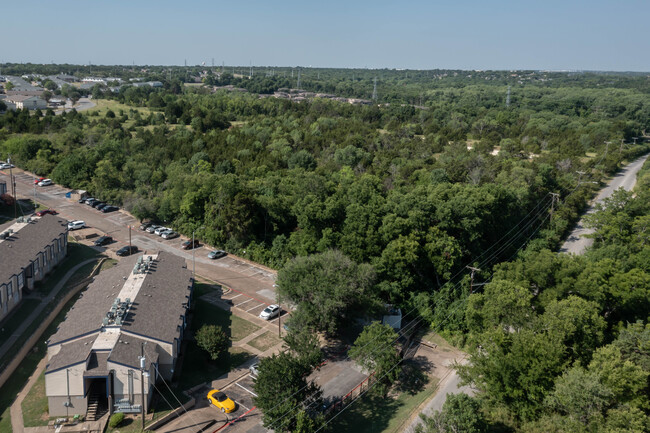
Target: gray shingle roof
158,308
128,349
18,250
71,353
155,311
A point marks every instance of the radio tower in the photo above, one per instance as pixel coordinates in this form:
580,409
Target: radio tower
298,79
508,97
374,90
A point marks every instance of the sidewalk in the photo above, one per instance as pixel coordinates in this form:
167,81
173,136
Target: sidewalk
38,310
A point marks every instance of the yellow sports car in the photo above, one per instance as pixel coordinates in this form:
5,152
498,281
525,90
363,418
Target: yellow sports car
221,400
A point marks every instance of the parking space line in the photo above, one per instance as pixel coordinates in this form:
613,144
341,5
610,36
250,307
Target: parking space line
234,297
241,405
254,307
246,389
242,303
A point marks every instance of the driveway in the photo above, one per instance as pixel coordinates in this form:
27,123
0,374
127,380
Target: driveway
577,242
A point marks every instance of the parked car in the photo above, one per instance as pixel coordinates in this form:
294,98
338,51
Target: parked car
188,245
169,234
254,369
152,228
97,203
127,251
221,401
145,226
270,312
90,201
216,254
46,212
104,240
160,230
100,206
38,179
109,208
5,165
81,200
45,182
76,225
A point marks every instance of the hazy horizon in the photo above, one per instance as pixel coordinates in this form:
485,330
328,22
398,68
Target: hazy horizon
468,35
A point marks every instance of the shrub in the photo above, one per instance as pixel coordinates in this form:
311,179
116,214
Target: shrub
116,419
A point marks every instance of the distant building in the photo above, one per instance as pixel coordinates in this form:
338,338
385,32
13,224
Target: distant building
94,361
29,249
26,101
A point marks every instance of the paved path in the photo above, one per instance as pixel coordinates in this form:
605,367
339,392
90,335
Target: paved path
38,310
577,242
449,384
16,408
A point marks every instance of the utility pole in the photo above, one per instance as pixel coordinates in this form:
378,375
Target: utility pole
13,186
67,381
508,97
580,173
193,254
129,239
142,364
279,314
620,149
374,90
555,197
471,281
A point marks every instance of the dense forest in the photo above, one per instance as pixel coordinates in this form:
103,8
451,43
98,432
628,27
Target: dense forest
439,174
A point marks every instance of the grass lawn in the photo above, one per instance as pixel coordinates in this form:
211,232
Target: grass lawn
9,325
17,381
197,366
374,414
240,328
35,404
265,341
76,254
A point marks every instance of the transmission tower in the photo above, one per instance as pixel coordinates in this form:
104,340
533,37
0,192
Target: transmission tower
508,97
298,85
374,90
213,62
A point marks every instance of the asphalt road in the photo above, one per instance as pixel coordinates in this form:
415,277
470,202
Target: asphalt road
577,242
246,277
448,385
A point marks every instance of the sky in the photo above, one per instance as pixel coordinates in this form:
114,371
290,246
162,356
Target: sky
411,34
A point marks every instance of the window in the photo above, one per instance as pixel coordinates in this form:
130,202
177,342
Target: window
21,280
10,289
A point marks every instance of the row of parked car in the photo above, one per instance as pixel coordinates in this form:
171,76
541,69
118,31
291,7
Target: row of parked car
99,204
167,233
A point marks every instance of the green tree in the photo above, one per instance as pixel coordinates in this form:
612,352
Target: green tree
213,340
579,394
375,351
305,345
327,288
460,413
283,392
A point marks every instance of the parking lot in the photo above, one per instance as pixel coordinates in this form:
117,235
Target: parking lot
231,271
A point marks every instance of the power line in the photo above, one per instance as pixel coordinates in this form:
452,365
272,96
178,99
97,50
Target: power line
417,320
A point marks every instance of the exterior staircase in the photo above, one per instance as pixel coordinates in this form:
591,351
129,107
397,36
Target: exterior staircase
95,408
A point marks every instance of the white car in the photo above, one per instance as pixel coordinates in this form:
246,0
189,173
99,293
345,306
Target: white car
45,182
76,225
270,312
5,165
169,234
160,230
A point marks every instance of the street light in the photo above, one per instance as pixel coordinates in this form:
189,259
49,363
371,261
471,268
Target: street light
193,260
